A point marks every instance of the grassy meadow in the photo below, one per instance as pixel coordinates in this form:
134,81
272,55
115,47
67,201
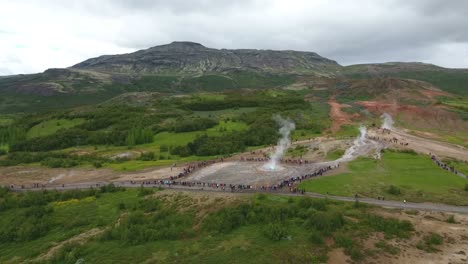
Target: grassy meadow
49,127
415,178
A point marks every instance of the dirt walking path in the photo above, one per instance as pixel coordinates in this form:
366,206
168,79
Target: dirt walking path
424,145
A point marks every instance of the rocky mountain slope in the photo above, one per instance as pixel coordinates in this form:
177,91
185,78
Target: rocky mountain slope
187,67
190,57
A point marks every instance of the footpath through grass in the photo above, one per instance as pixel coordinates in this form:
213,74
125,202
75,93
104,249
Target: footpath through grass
414,177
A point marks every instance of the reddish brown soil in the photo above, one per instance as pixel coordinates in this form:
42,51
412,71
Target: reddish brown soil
424,118
337,116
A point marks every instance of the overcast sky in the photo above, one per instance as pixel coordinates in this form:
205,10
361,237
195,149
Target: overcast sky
36,35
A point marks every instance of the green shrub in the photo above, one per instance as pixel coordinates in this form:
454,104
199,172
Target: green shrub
144,191
193,124
325,222
275,231
138,227
147,156
121,206
344,241
387,248
316,237
429,241
351,248
110,188
4,191
68,253
355,253
390,226
434,239
97,164
319,205
393,190
451,219
163,148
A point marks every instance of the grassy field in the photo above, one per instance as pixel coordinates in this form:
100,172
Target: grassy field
347,131
461,104
4,147
168,139
302,134
226,113
335,154
49,127
134,226
179,139
460,166
417,178
5,121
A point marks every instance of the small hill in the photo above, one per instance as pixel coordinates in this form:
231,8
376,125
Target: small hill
450,80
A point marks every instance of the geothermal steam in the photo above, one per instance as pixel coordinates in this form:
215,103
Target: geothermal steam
361,146
286,126
387,121
355,149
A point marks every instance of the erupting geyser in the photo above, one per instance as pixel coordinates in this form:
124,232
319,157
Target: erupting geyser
355,149
387,121
286,126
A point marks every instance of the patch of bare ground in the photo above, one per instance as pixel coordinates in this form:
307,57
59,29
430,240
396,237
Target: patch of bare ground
339,117
28,175
337,256
454,248
78,239
150,174
421,145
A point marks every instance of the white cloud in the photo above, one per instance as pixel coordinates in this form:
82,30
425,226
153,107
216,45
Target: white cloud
36,35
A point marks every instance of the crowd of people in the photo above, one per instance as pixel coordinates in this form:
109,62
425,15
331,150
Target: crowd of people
394,140
287,161
192,167
290,183
445,166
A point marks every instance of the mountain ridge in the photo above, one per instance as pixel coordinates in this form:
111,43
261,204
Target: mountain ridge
183,67
192,57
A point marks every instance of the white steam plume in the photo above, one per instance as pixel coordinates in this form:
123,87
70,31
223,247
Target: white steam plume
387,121
286,126
355,150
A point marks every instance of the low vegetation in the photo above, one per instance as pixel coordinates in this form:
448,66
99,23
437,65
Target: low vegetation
171,128
430,242
141,225
51,126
